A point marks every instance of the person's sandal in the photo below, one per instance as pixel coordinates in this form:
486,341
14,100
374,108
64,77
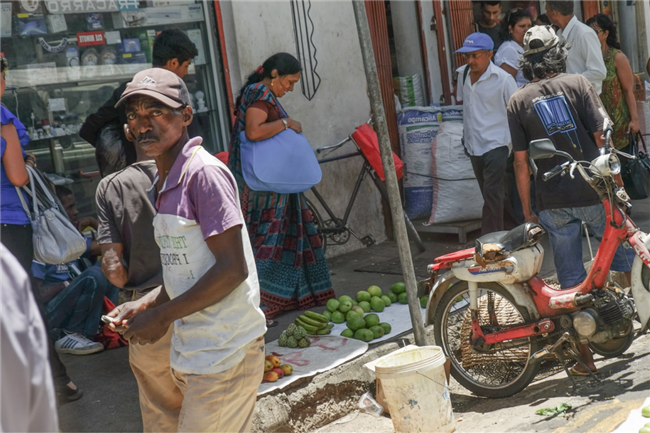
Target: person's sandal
270,323
575,372
65,394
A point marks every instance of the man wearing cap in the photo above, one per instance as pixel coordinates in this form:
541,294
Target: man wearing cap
566,109
585,56
211,293
484,89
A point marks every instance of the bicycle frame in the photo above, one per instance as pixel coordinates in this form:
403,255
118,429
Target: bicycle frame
343,222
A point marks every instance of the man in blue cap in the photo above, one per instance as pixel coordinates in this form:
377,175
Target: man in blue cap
485,89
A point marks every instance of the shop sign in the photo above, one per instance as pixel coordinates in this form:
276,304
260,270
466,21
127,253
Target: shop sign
129,5
90,38
76,6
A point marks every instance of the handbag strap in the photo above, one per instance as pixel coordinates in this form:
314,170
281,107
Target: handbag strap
44,189
30,217
645,150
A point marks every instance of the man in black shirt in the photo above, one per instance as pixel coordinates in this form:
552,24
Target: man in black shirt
172,50
490,22
566,109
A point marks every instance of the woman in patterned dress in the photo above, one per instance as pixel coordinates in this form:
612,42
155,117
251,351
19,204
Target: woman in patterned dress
288,251
619,85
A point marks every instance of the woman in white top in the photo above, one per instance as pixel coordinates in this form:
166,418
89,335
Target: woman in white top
518,21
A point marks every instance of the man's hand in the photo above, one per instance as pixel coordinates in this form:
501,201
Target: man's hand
87,222
147,327
125,311
531,218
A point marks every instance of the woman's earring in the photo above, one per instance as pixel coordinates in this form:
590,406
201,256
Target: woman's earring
271,83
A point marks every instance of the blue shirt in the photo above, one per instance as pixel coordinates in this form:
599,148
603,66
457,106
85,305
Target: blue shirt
11,210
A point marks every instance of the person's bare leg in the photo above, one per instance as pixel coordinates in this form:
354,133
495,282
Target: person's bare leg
587,357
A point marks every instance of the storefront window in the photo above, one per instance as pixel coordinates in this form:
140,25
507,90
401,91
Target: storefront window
67,56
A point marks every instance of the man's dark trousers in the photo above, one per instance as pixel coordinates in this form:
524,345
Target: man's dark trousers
490,171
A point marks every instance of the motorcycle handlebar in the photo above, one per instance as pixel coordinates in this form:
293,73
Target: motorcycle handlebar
552,173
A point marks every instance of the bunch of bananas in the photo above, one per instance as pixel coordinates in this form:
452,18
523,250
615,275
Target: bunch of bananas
314,323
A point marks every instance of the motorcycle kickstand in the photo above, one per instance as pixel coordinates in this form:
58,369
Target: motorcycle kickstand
558,353
579,361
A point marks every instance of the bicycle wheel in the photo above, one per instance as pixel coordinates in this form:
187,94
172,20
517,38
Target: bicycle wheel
410,228
318,221
495,370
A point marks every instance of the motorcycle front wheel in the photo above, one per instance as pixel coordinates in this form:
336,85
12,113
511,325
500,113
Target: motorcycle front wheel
496,370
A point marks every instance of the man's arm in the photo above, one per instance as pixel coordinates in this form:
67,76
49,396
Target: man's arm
106,114
112,264
595,66
522,174
229,271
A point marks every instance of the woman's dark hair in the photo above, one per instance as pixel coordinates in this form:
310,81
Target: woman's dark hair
512,18
172,44
544,19
539,65
606,24
283,63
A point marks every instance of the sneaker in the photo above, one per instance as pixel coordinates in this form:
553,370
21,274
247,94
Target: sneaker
77,344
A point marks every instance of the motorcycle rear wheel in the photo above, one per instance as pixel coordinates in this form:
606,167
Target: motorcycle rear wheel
494,371
613,348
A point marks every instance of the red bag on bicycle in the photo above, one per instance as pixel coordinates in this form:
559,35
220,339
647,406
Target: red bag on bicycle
366,138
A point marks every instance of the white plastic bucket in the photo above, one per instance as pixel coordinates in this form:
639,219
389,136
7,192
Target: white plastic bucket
416,391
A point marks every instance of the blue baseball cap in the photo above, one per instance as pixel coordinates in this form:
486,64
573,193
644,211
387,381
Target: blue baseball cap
475,42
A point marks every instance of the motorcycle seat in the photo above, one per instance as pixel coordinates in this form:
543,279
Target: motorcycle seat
498,245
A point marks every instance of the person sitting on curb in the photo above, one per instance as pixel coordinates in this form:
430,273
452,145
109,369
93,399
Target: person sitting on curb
74,297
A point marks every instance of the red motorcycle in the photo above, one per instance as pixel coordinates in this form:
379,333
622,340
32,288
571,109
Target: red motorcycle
497,320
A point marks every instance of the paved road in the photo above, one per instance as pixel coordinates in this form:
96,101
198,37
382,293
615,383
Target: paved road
110,402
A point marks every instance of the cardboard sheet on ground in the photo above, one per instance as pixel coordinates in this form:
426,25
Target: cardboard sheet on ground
634,421
397,316
325,353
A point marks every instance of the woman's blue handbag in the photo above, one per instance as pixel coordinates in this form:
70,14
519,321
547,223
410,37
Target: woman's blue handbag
284,163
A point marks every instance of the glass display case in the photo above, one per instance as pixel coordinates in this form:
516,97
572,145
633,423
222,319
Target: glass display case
67,56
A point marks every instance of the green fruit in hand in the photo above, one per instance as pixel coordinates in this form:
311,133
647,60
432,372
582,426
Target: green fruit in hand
386,327
363,296
356,323
646,411
398,288
374,291
371,320
377,331
386,300
347,333
423,301
354,302
365,306
345,298
328,314
332,305
364,335
351,314
344,306
338,317
358,310
377,304
402,298
392,296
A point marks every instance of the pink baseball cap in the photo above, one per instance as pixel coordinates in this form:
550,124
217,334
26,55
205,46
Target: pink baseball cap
158,83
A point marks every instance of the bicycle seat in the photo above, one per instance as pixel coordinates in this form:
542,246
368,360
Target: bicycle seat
498,245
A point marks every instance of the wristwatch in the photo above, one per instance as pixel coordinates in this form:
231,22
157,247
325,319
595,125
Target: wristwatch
286,125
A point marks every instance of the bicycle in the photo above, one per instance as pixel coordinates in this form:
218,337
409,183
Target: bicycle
335,230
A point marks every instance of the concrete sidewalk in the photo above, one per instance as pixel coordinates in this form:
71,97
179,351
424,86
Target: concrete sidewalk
110,401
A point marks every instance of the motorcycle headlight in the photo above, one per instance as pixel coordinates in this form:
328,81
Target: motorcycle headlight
607,165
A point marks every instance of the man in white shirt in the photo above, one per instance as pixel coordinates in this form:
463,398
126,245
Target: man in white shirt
585,54
27,399
485,90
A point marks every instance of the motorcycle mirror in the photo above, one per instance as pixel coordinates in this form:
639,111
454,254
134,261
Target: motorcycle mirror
542,148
